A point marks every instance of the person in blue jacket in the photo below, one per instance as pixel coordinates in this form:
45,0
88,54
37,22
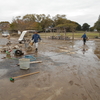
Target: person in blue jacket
84,38
35,39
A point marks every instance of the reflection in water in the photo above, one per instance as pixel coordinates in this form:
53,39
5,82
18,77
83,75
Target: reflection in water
85,48
36,54
73,43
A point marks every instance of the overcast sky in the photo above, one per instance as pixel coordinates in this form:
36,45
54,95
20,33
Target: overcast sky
81,11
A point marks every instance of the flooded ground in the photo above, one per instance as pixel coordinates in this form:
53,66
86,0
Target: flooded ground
69,71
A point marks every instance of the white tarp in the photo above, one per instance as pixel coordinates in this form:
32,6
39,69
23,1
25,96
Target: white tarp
22,36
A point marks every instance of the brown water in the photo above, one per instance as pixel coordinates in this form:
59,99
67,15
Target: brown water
69,71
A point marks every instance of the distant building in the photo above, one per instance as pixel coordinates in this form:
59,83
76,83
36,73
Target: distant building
95,30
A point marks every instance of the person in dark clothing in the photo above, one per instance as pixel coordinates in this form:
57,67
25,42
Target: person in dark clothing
84,38
35,39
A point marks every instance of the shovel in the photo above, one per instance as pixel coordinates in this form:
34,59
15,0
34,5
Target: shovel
13,78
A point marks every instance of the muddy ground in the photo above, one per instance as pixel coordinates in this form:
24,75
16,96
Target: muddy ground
69,71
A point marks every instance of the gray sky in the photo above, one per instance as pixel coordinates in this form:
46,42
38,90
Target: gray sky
81,11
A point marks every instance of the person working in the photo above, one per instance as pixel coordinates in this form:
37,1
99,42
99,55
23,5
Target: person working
35,38
84,38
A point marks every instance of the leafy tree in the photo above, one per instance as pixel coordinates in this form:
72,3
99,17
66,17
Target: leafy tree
13,26
46,21
5,25
71,26
35,26
91,29
43,20
39,17
78,28
17,24
29,18
59,19
85,27
97,25
40,22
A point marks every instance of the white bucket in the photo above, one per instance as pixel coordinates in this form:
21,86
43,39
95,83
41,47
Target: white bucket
24,63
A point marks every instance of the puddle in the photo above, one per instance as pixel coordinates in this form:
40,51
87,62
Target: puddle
87,49
49,54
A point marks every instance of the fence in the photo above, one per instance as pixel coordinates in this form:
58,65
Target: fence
69,35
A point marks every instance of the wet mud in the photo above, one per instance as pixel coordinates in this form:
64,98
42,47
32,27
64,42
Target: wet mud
69,71
97,50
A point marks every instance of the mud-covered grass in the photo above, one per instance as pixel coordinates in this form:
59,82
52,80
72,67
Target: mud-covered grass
69,34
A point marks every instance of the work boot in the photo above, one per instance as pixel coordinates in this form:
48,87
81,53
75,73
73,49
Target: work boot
36,49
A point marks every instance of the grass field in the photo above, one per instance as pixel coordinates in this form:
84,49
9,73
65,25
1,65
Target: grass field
69,34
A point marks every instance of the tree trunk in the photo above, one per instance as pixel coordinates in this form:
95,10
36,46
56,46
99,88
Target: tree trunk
53,32
45,33
72,35
65,33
